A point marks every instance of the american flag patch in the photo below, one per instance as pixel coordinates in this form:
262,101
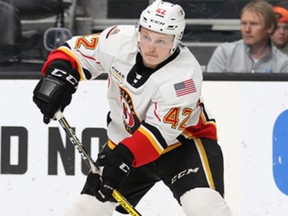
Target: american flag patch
184,88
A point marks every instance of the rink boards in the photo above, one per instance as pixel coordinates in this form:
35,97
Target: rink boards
40,172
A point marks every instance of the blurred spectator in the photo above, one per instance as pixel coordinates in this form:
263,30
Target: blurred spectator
10,33
280,35
254,52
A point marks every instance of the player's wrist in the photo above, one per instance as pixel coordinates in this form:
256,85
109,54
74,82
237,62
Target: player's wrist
125,153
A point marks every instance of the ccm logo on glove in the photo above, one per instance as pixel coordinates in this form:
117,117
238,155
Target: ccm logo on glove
60,73
124,167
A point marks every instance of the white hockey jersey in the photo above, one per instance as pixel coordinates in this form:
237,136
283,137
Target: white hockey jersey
150,112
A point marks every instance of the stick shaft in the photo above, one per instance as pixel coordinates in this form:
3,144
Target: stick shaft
89,161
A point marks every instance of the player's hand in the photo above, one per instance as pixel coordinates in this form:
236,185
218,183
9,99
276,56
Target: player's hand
54,91
116,167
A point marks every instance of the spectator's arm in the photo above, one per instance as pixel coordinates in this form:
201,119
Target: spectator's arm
218,60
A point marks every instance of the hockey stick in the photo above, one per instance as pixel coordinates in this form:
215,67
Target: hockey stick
89,161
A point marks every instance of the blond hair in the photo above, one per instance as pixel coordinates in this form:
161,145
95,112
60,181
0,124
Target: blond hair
265,10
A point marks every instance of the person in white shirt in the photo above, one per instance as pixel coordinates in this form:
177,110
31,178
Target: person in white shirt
158,126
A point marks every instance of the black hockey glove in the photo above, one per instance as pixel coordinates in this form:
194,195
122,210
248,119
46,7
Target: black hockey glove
116,167
54,91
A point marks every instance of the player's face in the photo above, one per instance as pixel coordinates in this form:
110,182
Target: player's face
280,35
253,29
154,47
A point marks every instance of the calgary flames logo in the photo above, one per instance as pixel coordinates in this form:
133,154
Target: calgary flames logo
130,119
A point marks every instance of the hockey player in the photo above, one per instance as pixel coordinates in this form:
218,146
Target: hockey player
154,129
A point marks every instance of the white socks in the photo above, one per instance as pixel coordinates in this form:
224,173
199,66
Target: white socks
87,205
204,202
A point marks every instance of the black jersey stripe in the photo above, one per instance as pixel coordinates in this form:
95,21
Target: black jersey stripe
206,115
156,133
